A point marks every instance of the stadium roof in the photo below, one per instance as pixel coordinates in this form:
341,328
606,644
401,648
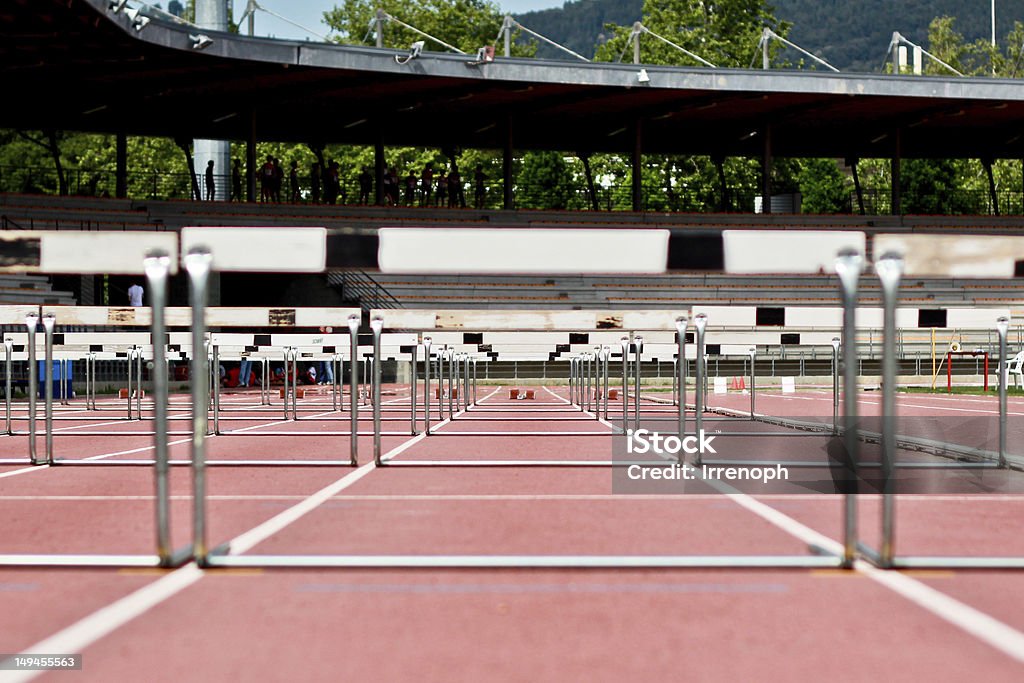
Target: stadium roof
75,65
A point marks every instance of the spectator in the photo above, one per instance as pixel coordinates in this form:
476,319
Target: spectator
278,180
267,180
135,293
244,372
386,187
293,177
442,189
480,182
426,184
236,181
410,189
211,189
456,195
332,182
314,181
365,186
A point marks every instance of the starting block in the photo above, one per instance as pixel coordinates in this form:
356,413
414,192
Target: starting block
123,393
613,394
527,395
455,393
299,393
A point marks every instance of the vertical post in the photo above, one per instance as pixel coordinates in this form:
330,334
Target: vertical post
198,263
597,382
506,162
506,29
452,382
766,171
353,388
682,323
894,168
426,385
131,356
121,180
638,350
835,385
216,388
157,265
442,352
295,383
378,169
31,322
250,158
8,353
376,325
638,146
48,324
889,269
700,323
637,30
765,37
381,17
1002,325
572,388
475,361
625,383
287,379
753,379
412,391
848,267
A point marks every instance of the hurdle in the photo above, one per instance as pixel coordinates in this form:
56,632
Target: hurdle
531,251
92,253
935,256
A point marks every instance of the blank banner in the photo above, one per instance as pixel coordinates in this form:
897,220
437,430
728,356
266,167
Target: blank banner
522,251
787,251
260,250
83,253
969,256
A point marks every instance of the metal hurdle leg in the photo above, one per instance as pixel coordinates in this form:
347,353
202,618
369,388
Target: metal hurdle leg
31,322
48,324
606,353
1002,326
216,391
835,385
638,349
353,381
681,325
572,381
157,266
285,355
849,265
131,355
700,323
8,351
753,379
376,325
475,361
138,382
452,383
625,384
465,387
295,383
426,385
889,268
198,263
412,391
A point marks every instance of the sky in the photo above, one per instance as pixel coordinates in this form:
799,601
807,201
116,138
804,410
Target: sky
309,13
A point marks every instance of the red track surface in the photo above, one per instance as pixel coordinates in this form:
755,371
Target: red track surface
187,624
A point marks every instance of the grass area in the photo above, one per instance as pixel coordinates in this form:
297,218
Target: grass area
993,390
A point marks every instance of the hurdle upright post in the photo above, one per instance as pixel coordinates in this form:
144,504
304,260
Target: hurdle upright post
475,360
426,385
31,323
131,355
353,389
849,265
376,325
835,385
624,342
216,389
157,265
49,321
1002,326
889,269
638,352
700,323
138,382
9,352
412,389
453,382
198,263
753,378
295,383
681,324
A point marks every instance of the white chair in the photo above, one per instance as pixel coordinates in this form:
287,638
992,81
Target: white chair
1016,368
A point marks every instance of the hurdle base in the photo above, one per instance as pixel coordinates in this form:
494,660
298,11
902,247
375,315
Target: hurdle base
873,557
525,561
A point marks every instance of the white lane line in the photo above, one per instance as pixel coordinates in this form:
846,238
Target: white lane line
88,630
985,628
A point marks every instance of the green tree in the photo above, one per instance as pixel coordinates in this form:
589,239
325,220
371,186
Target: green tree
466,24
546,181
824,187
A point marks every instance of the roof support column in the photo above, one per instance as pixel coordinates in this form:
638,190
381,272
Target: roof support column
993,197
506,166
852,163
723,189
638,146
378,169
121,180
766,171
250,158
894,171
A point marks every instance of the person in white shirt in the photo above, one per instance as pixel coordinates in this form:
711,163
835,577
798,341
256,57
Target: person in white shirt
135,294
